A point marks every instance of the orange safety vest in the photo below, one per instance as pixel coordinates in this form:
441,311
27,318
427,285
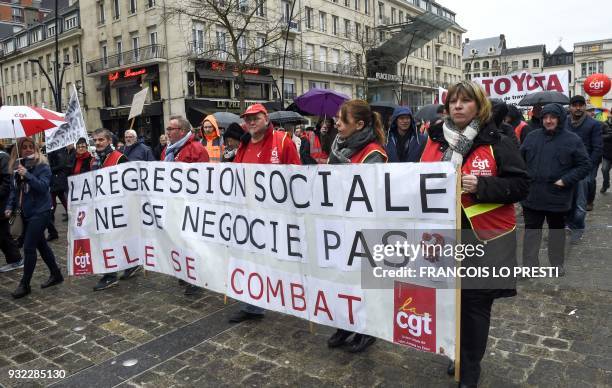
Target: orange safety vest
316,151
111,160
214,152
368,150
488,220
519,129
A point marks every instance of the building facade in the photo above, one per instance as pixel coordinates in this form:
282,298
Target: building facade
26,56
590,58
561,60
111,49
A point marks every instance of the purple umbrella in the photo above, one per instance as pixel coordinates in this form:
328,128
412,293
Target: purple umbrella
321,102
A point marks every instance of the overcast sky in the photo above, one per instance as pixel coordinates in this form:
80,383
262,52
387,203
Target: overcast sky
530,22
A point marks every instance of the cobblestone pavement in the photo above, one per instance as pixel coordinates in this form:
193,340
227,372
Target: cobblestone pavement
555,333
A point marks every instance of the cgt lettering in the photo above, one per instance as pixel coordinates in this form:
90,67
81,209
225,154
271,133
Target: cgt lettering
415,323
82,261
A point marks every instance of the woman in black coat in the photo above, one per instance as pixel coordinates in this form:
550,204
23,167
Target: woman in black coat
494,177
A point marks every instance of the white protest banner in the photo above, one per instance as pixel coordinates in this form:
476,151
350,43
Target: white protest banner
513,87
72,130
138,103
292,239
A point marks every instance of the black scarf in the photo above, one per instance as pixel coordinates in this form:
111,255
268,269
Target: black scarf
343,149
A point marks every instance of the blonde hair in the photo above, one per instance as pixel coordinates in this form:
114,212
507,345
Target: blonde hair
474,92
39,158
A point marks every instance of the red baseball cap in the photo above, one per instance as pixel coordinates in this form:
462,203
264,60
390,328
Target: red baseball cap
254,109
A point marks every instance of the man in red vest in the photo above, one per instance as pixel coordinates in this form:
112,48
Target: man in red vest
106,156
262,145
183,147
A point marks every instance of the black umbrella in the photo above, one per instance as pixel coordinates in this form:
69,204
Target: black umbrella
428,112
285,117
385,109
543,98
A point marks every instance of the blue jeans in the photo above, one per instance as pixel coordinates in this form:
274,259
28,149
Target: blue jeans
577,215
249,308
605,171
34,239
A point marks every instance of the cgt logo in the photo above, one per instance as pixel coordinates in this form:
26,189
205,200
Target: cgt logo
480,164
414,320
81,260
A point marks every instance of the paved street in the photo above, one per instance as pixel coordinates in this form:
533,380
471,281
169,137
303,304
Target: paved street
146,333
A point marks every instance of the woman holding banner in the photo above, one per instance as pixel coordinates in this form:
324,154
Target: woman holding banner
493,178
360,139
31,197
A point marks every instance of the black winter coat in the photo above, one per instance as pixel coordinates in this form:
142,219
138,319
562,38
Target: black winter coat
589,131
606,129
58,161
550,157
510,185
5,179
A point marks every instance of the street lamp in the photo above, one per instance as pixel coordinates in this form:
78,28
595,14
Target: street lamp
56,88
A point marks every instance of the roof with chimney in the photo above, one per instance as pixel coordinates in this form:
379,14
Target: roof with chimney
481,48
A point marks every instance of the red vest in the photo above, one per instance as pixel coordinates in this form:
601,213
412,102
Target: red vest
111,160
366,151
519,129
488,220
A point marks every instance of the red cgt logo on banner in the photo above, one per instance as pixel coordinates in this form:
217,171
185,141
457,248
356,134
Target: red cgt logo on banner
81,260
414,320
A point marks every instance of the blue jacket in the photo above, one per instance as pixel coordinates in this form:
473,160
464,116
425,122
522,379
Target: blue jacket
550,157
414,145
36,193
589,131
138,151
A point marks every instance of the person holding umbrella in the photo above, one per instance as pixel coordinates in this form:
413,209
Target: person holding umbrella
31,195
493,177
361,139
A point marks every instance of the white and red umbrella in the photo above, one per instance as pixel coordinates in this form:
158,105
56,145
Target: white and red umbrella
21,121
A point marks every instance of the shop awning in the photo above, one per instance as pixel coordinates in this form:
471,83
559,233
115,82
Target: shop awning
204,73
258,78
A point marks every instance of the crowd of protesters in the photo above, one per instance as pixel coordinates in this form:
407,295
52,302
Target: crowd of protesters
548,165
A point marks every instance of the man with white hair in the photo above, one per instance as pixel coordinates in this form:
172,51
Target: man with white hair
135,150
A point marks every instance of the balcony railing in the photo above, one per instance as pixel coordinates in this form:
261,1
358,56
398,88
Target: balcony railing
293,61
131,57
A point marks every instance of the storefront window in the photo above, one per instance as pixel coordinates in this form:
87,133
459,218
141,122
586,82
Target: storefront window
213,88
256,91
155,93
126,94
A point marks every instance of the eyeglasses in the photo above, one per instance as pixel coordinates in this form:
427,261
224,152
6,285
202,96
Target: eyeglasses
27,146
172,128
